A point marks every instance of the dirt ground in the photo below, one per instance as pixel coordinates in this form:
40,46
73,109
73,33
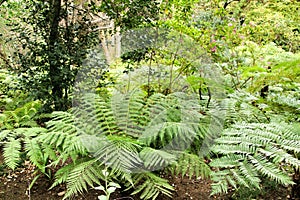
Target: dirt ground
14,186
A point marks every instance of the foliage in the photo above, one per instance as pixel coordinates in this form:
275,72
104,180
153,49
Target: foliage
54,50
109,188
127,134
252,151
18,127
152,120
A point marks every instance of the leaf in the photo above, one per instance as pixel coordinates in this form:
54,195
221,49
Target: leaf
102,197
111,189
99,188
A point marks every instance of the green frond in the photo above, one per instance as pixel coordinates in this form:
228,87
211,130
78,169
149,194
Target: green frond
192,165
219,187
227,161
29,132
250,151
250,174
156,159
150,186
127,109
119,154
177,134
62,122
82,176
67,145
95,116
239,149
269,170
11,152
279,155
62,174
21,117
35,153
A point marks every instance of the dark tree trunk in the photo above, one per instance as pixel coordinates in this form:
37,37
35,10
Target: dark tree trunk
57,89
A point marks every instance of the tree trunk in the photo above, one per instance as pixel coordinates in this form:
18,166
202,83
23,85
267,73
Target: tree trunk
57,89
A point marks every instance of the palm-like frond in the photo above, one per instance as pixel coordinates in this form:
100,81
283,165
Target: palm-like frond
150,186
250,151
190,164
120,154
81,176
12,152
156,159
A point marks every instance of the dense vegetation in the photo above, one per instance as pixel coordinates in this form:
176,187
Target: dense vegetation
110,94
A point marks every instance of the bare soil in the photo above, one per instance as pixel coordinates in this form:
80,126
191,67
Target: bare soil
15,186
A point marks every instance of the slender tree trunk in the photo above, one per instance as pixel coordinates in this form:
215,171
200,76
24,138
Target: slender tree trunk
57,89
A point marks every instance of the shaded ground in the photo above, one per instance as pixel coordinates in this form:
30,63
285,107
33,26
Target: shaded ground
15,186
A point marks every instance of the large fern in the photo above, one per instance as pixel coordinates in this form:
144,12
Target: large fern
129,133
250,151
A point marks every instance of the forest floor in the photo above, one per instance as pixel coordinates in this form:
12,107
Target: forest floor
15,186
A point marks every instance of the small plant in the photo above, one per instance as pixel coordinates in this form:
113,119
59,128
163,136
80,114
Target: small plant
109,187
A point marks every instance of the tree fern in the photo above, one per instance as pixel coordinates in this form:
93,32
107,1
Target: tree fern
129,133
252,151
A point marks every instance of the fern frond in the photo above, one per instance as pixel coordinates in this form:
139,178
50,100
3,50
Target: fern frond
156,159
176,134
120,154
250,151
127,110
150,186
82,176
269,169
94,115
11,152
67,145
35,153
190,164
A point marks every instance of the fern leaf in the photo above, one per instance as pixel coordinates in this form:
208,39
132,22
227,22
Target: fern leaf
82,176
35,153
156,159
12,152
151,186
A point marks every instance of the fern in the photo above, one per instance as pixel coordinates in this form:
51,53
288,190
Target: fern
36,154
129,133
252,151
14,139
82,176
120,154
12,152
190,164
156,159
150,186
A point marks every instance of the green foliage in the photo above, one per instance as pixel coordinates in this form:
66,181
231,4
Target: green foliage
249,152
19,127
53,49
150,186
109,188
24,116
124,135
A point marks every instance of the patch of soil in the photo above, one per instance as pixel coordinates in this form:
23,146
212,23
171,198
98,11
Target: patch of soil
15,186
